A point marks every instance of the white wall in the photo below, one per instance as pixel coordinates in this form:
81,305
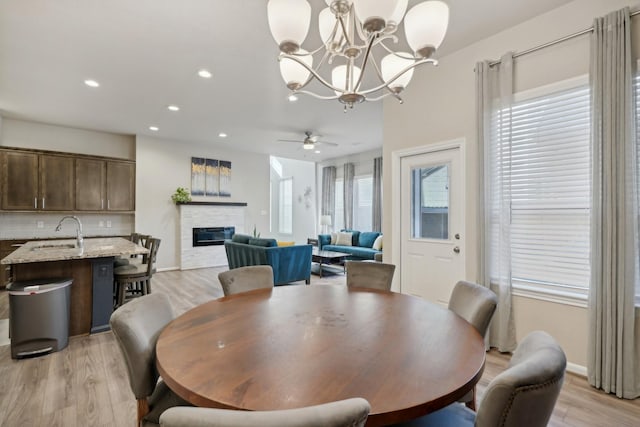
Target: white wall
440,106
26,134
163,165
304,208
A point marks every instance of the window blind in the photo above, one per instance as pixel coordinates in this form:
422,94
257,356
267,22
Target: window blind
544,150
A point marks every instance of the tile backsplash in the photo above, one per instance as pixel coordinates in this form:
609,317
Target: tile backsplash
43,225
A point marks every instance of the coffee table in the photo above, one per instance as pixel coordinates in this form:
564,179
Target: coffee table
328,258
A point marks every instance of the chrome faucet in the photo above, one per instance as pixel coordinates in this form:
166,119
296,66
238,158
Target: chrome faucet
79,238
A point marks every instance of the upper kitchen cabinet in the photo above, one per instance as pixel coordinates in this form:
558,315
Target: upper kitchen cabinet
19,180
32,181
91,176
121,182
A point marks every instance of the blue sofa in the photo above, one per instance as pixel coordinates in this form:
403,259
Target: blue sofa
361,245
289,263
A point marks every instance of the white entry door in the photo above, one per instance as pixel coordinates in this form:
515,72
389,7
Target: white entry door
432,223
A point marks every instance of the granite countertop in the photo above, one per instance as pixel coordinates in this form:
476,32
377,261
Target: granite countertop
60,250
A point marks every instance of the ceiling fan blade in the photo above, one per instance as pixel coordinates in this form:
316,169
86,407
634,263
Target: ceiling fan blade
333,144
314,138
290,140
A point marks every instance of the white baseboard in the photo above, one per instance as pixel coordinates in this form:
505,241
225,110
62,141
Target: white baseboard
169,269
577,369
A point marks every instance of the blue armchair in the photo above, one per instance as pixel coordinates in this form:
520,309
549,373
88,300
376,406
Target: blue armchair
289,263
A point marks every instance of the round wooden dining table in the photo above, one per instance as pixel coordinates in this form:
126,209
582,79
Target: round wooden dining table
296,346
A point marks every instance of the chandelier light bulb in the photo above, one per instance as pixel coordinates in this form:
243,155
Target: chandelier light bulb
425,26
374,14
398,14
339,79
289,22
326,24
294,74
391,65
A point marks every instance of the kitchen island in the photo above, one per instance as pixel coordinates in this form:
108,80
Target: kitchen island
90,267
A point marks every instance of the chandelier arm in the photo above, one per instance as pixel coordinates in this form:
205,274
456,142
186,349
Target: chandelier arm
376,68
401,72
389,50
315,95
364,63
318,67
314,72
385,95
345,33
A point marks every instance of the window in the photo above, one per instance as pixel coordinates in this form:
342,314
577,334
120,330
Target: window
636,87
363,202
285,211
339,205
430,202
548,146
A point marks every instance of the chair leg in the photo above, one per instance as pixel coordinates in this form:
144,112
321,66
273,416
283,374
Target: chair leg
143,409
122,288
472,403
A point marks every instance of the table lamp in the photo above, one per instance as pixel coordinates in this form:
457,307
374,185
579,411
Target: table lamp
325,221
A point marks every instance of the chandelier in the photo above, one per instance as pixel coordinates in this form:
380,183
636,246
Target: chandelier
353,32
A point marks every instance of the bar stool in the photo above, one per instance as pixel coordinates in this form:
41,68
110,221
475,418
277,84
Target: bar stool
134,279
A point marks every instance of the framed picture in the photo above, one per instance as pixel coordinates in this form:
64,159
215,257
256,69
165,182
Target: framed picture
212,177
225,178
197,176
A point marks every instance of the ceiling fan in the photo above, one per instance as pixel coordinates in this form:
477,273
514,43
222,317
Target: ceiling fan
309,141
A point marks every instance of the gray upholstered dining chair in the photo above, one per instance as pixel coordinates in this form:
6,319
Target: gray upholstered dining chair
344,413
372,275
475,304
245,279
523,395
136,326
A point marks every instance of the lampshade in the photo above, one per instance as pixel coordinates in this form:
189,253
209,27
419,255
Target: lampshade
372,9
392,65
398,13
294,74
325,220
326,24
339,78
289,22
425,26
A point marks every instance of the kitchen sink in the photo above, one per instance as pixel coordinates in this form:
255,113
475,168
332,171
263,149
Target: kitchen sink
54,246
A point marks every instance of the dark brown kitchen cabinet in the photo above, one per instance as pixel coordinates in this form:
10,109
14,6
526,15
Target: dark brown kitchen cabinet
56,183
121,183
91,176
19,180
34,181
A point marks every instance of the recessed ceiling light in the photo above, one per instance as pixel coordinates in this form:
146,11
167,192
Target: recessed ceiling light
154,128
205,74
173,108
91,83
317,151
222,135
292,98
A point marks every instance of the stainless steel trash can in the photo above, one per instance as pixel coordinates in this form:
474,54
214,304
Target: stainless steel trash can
39,316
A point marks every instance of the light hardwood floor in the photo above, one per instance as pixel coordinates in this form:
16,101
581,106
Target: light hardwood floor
86,384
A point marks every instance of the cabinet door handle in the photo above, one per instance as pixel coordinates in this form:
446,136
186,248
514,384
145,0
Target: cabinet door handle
43,203
101,203
35,203
108,204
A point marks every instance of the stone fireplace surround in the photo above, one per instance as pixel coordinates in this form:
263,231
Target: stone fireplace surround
207,214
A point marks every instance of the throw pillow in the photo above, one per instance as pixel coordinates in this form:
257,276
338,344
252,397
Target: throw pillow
240,238
334,238
267,243
367,238
344,239
286,243
355,236
377,245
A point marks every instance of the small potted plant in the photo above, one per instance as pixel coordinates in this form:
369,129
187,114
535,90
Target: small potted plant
181,195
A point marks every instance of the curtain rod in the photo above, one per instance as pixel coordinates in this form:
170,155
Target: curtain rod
554,42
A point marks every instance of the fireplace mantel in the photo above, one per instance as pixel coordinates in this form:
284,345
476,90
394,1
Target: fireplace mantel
213,203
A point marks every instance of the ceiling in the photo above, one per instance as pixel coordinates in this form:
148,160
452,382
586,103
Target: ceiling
146,53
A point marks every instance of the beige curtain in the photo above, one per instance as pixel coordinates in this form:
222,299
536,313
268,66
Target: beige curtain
377,195
613,360
349,175
327,206
494,98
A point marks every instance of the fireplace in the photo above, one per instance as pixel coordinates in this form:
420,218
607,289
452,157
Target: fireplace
212,236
